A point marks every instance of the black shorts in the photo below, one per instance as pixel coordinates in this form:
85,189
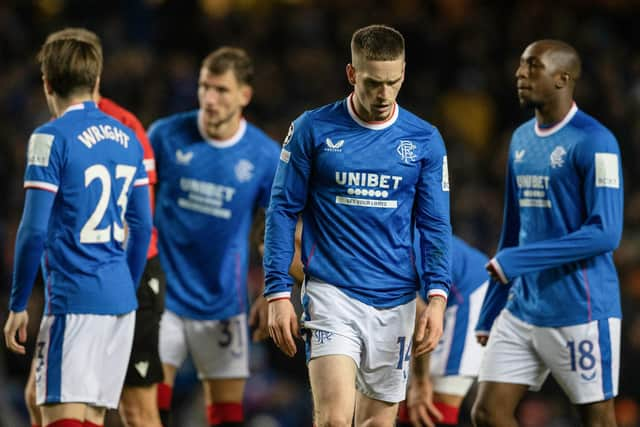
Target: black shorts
145,367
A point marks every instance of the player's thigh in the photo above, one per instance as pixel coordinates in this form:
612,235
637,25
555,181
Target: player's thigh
94,414
332,380
598,414
219,348
510,356
384,366
227,390
94,371
172,343
60,411
584,359
374,413
496,401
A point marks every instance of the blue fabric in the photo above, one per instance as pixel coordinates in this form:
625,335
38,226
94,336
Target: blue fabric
206,199
92,163
563,219
361,191
30,239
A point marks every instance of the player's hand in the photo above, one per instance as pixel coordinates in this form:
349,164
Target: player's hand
429,324
283,325
16,323
482,338
258,319
493,272
420,406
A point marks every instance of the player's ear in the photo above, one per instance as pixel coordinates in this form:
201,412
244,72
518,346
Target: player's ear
246,92
562,80
351,74
47,86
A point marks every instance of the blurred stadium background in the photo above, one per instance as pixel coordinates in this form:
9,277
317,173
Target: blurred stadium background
461,58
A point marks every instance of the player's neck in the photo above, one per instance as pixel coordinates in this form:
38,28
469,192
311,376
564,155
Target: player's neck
60,105
224,130
553,112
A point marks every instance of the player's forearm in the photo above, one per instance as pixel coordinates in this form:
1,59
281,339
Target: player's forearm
29,246
140,224
494,301
279,245
587,242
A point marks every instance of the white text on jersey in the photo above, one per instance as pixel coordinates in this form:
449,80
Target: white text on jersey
371,180
94,134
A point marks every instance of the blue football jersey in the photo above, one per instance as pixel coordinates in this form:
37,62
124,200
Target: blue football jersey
467,270
562,222
207,195
362,188
91,162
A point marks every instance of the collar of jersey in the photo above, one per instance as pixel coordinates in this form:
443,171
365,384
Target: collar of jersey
555,128
371,125
223,143
78,106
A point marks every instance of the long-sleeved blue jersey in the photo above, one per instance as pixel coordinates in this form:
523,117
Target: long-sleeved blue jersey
562,221
90,163
207,195
361,188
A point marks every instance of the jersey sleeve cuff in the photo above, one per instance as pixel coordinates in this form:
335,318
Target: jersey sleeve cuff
498,268
278,295
438,293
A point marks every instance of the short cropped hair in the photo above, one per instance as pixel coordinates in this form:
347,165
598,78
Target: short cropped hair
377,43
230,58
77,33
70,65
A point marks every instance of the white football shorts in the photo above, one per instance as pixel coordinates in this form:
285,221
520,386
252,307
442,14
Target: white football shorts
584,359
378,340
83,358
219,348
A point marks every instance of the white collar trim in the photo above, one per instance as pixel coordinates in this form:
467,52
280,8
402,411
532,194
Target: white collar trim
79,106
372,125
555,128
222,143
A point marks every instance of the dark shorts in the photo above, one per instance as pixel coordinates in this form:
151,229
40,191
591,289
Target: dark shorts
145,367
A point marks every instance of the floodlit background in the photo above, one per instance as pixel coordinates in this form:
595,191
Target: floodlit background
461,60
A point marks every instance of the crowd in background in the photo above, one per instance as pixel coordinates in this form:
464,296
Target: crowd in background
461,60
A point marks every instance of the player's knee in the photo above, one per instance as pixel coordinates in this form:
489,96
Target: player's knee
598,416
332,420
136,413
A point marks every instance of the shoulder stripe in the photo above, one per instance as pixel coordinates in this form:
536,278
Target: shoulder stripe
41,185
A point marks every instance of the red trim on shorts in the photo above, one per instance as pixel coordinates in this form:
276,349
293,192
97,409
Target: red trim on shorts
90,424
66,422
278,299
165,393
230,412
449,413
403,412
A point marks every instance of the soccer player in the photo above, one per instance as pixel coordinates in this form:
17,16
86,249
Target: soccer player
138,402
438,382
215,171
562,222
84,178
364,173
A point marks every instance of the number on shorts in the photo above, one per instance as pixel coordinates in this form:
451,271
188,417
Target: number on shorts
402,355
90,233
586,359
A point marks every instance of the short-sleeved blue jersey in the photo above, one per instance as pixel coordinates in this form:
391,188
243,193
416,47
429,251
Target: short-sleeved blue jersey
562,221
363,189
207,195
91,162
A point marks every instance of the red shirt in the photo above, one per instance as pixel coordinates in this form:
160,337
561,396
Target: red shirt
128,119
